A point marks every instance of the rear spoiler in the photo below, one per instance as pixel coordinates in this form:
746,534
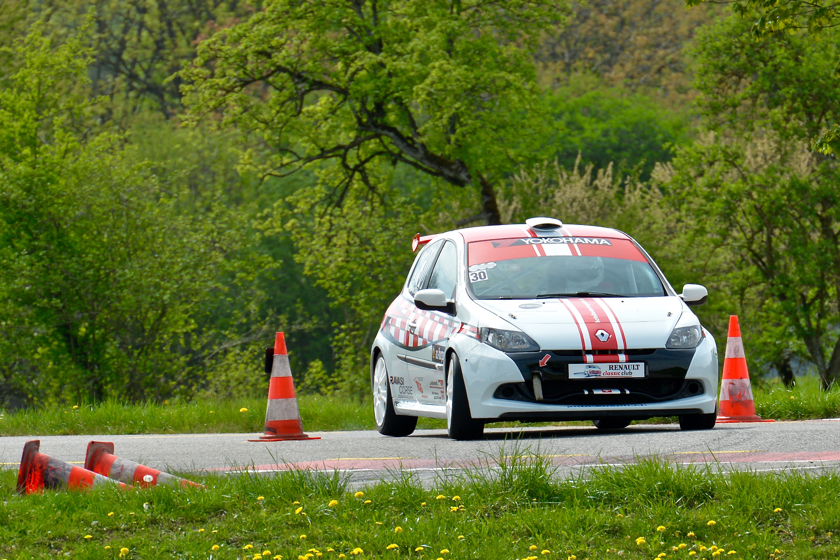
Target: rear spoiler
417,241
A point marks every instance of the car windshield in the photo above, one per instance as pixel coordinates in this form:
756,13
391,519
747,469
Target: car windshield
532,268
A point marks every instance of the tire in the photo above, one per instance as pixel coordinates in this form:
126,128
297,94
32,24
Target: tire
388,422
615,423
698,421
459,422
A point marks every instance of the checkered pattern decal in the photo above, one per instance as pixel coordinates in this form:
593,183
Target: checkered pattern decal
431,327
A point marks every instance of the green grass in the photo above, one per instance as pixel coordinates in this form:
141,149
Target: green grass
320,413
513,510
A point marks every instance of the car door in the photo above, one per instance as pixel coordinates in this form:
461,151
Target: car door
396,323
431,330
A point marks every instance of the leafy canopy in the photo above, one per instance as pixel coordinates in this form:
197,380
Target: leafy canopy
445,86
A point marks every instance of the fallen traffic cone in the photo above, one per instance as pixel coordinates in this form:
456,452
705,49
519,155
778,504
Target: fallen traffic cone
736,398
100,459
39,471
282,417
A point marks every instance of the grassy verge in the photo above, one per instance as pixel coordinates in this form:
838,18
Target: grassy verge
517,510
319,413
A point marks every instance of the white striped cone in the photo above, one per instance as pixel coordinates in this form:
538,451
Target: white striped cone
282,417
38,471
100,459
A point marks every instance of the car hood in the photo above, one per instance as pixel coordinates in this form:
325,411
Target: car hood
581,323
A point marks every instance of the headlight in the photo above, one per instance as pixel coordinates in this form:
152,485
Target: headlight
685,337
508,341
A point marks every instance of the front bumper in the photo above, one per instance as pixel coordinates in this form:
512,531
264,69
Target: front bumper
501,386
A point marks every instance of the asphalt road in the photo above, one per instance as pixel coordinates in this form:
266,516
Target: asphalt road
368,456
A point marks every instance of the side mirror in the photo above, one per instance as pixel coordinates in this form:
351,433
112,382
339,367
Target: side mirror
694,294
433,300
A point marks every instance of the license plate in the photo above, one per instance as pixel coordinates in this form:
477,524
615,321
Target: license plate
611,371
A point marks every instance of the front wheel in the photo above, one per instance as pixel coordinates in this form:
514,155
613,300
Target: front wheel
698,421
459,422
388,422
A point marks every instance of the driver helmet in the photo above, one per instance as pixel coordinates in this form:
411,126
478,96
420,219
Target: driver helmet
585,274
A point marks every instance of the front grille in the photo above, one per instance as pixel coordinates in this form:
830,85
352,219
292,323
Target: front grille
581,392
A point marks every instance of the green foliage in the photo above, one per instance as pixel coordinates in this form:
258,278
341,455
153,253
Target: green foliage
608,126
447,87
105,285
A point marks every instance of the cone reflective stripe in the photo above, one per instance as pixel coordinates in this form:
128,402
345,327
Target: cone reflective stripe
100,459
38,471
736,398
282,417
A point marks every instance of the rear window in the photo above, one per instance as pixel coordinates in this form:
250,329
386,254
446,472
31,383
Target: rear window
533,267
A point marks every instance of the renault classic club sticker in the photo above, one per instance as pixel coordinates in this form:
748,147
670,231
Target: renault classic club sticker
588,371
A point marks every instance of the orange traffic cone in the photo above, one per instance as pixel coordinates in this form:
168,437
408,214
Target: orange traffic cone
736,398
39,471
282,418
100,459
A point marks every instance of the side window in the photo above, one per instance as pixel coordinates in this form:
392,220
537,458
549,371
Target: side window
445,274
421,268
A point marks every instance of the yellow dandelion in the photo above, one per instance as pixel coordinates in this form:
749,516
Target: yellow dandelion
445,551
330,549
377,523
277,557
398,529
456,498
257,556
298,510
545,552
367,502
703,549
440,497
75,407
682,545
296,503
201,530
532,547
266,553
422,504
418,549
88,536
572,557
123,551
107,548
660,528
243,409
690,534
692,553
303,537
711,523
260,498
333,503
640,541
392,546
619,516
248,547
359,494
777,551
716,553
356,551
713,548
661,555
460,537
214,547
674,549
110,514
453,508
777,510
732,552
214,531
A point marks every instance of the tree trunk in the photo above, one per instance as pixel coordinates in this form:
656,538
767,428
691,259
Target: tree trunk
785,372
489,207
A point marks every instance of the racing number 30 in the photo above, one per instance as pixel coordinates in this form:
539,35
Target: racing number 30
478,276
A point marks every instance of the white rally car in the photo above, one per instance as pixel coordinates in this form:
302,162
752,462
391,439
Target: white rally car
538,322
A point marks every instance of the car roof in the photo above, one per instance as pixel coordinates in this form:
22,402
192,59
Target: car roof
487,233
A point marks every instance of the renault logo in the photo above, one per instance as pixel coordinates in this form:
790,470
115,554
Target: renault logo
602,335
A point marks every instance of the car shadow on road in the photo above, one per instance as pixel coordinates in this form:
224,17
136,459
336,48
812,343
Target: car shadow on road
501,434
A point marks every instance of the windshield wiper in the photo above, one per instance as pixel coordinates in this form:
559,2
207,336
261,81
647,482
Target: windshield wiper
579,294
